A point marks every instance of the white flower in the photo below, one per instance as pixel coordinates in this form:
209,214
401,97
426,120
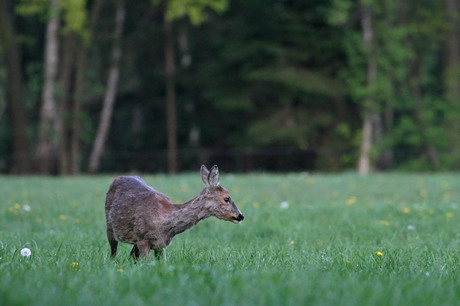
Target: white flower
411,227
26,252
26,207
284,205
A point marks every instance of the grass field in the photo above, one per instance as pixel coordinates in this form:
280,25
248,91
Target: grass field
390,239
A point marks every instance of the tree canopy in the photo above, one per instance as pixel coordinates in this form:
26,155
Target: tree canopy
274,85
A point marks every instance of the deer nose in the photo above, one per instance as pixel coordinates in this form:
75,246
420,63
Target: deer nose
240,218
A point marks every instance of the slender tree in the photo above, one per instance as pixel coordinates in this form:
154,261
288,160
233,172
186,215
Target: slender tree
15,92
369,115
48,129
111,90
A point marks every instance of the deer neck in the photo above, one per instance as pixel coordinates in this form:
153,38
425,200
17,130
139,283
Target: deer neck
187,215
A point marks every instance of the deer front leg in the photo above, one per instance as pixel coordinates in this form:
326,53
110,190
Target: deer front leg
143,248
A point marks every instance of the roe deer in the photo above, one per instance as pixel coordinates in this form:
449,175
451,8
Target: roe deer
138,214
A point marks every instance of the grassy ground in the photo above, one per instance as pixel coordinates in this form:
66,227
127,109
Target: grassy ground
389,239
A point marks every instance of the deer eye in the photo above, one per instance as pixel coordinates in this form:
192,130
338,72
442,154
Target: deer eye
227,200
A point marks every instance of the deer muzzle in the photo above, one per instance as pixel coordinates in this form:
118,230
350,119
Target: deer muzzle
238,218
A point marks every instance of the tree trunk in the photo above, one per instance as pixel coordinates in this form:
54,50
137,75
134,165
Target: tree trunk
109,98
48,126
386,158
14,92
364,164
171,111
64,83
80,88
452,76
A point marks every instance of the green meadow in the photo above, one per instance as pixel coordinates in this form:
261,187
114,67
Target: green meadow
307,239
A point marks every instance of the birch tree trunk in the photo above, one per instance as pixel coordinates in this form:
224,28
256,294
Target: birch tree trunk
14,92
48,133
109,98
171,111
364,163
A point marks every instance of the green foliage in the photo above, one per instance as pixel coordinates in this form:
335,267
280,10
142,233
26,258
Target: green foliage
406,88
277,81
306,239
75,16
195,10
74,13
298,80
32,7
339,13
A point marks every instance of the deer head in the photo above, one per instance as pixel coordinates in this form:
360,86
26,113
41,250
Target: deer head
218,200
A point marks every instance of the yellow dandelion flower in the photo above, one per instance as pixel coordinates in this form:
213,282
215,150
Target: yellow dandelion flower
256,205
62,217
75,265
292,242
39,220
351,201
406,210
17,206
384,222
449,215
10,209
424,193
120,270
378,253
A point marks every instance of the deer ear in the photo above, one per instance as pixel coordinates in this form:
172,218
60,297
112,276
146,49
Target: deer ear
213,177
204,175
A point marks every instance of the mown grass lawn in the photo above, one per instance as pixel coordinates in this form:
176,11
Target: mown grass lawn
390,239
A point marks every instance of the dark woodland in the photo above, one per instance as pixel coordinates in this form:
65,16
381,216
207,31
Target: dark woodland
103,86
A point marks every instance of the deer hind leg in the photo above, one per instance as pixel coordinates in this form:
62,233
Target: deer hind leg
113,243
135,252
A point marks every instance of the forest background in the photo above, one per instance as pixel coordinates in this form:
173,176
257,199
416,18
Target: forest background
276,85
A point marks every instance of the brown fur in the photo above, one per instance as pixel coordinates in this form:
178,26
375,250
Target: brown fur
138,214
